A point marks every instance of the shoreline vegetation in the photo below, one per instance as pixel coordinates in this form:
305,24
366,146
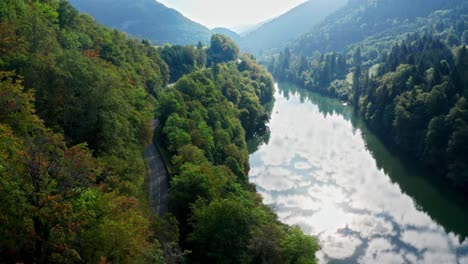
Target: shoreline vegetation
75,101
206,119
409,85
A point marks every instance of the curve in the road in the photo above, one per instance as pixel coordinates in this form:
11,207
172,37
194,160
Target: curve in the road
158,177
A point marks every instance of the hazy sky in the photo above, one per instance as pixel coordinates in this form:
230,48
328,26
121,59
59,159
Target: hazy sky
231,13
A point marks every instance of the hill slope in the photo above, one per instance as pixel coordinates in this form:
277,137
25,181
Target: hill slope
146,19
279,31
361,19
403,65
76,99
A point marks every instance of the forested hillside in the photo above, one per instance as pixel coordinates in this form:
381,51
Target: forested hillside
382,19
408,78
145,19
76,99
276,33
206,118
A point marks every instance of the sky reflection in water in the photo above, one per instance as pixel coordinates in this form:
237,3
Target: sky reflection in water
323,173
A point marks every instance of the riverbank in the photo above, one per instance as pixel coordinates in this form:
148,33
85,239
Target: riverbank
324,170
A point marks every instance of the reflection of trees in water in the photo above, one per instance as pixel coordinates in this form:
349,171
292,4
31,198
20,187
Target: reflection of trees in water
258,139
326,106
432,195
262,134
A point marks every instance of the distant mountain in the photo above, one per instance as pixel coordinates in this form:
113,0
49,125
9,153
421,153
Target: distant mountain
366,19
279,31
145,19
243,30
227,32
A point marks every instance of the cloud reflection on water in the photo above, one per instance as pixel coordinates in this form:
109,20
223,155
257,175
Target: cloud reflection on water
319,174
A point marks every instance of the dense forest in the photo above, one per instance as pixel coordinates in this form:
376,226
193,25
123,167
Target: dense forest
367,20
206,118
76,100
408,81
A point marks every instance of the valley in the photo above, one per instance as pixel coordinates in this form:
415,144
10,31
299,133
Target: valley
335,132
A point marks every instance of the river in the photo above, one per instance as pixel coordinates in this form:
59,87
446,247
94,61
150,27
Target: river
323,170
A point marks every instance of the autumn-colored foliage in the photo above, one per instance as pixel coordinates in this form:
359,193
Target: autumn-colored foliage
74,99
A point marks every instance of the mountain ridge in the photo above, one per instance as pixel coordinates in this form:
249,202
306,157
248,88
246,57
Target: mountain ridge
146,19
361,19
277,32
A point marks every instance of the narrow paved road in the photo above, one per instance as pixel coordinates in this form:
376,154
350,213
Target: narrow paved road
158,177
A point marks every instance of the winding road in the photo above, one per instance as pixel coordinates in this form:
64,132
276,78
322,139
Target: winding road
158,177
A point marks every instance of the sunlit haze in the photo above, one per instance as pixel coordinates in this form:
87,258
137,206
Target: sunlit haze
229,13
